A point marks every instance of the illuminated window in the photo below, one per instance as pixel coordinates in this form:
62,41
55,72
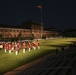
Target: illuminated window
17,30
24,31
5,30
1,30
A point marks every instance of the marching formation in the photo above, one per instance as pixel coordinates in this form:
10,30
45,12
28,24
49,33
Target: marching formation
16,46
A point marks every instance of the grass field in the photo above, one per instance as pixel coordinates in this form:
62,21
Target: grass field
11,61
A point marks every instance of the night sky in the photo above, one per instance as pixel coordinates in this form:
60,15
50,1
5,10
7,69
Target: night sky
59,14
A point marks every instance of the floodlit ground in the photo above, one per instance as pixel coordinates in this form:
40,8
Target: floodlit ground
11,61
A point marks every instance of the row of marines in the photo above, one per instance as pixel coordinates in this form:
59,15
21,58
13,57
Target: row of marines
11,46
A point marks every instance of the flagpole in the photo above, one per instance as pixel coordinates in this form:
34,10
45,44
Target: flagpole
41,22
40,7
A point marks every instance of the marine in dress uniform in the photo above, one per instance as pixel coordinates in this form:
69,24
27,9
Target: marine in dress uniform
16,48
7,45
38,44
29,46
9,48
23,47
5,48
13,45
34,46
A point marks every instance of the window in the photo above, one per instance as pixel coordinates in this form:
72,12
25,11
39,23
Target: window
24,31
17,30
5,30
1,30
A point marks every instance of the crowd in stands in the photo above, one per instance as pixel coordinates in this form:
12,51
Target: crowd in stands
62,62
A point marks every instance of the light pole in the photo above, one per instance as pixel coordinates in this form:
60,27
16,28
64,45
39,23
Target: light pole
40,6
41,22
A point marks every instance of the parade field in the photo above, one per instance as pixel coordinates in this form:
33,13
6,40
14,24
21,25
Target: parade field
12,61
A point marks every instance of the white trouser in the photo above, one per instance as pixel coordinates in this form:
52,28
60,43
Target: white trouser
5,50
12,48
29,49
23,50
16,52
38,47
9,51
34,48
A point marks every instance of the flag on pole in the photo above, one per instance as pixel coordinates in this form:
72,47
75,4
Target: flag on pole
39,6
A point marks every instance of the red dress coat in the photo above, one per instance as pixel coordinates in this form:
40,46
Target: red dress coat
5,46
9,47
13,45
29,45
23,46
16,48
38,44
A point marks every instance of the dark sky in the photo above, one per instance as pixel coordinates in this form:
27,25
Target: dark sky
60,14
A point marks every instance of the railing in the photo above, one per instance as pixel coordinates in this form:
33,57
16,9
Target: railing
53,68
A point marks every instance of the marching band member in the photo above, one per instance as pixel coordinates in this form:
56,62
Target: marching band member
1,45
5,48
9,48
34,46
19,43
13,46
7,45
29,46
23,47
38,44
16,48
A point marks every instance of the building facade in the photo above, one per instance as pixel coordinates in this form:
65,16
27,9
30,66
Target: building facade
36,30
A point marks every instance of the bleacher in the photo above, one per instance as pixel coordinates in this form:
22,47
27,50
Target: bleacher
61,63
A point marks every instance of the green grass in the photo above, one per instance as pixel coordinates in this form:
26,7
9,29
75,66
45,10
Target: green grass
11,61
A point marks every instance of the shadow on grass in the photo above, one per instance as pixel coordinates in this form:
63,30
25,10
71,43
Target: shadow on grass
56,46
